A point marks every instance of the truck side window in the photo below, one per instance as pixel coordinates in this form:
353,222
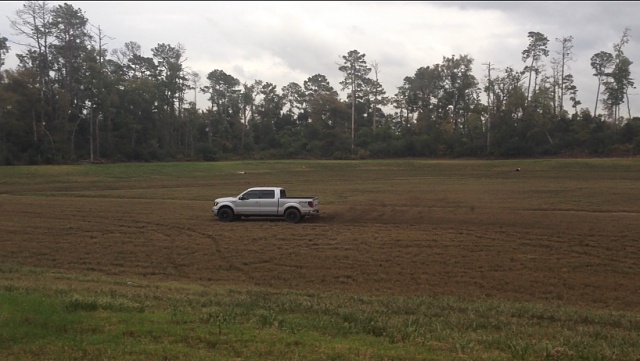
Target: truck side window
252,195
283,193
268,194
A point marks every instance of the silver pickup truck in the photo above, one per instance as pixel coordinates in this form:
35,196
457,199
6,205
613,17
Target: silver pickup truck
265,202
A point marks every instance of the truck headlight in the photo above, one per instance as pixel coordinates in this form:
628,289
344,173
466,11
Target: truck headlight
215,204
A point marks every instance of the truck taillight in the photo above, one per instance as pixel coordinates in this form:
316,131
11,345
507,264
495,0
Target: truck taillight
310,203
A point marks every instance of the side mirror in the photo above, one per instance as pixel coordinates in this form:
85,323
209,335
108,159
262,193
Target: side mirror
242,198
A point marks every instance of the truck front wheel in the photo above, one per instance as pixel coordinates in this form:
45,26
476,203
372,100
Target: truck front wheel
226,215
292,215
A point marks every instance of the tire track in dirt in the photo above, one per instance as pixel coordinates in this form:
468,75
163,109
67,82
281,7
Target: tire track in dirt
167,231
530,256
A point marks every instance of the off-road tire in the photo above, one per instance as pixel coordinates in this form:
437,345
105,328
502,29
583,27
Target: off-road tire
226,215
292,215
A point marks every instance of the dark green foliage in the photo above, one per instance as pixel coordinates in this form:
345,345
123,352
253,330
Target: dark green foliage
71,100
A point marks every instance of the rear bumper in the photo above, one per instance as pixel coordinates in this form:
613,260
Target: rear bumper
314,212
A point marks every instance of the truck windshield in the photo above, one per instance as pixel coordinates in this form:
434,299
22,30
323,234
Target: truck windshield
283,193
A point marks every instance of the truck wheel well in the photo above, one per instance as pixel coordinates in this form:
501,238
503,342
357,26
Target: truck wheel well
291,207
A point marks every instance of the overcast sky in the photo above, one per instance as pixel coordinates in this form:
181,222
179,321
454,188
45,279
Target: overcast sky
283,42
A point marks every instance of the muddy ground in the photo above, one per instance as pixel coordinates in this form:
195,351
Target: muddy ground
589,259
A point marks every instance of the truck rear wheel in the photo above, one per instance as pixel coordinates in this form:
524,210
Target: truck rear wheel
292,215
226,215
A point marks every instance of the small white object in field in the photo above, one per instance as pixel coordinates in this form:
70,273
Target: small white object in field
517,169
242,172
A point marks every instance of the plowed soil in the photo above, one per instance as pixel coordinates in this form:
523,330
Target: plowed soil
566,257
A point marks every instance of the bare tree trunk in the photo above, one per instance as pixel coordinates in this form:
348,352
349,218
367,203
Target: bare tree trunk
529,85
489,109
53,146
98,136
562,80
548,137
535,83
353,108
375,68
35,130
73,139
244,128
91,133
109,128
556,84
595,109
133,142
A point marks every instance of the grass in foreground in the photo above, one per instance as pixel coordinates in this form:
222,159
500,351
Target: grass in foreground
57,316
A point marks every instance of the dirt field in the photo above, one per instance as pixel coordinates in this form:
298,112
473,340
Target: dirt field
526,256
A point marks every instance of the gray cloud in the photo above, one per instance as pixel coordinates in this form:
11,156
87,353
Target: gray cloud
284,42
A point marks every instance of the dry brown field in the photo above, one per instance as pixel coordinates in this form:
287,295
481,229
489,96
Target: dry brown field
557,232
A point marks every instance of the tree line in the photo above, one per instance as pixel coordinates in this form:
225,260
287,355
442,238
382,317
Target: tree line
71,99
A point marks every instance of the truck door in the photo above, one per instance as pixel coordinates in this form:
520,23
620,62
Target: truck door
250,204
268,202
